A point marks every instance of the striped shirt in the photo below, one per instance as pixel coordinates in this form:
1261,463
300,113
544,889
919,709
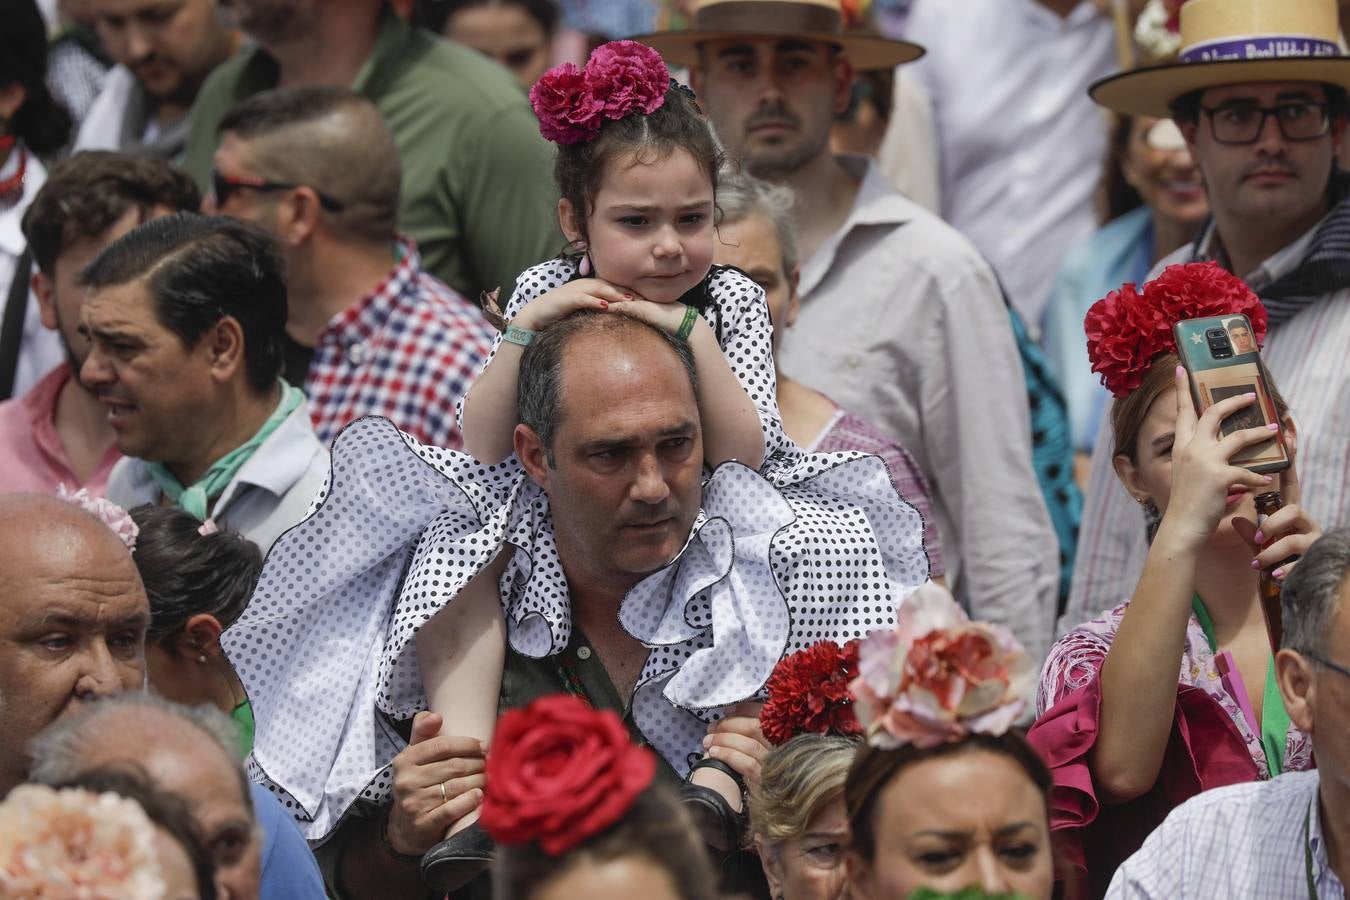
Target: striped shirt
1245,840
1309,359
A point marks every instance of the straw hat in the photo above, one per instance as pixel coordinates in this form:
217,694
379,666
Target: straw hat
1231,42
812,20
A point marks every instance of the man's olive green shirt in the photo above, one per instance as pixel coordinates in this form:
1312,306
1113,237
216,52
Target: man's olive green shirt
477,194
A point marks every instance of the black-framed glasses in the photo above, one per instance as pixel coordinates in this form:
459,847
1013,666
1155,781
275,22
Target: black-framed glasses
1242,123
223,186
1323,661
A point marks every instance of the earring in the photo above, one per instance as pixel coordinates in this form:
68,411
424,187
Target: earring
584,267
202,658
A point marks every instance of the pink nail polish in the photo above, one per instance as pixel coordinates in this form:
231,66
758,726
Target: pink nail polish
1249,396
1278,573
1256,564
1268,479
1259,537
604,304
628,296
1273,426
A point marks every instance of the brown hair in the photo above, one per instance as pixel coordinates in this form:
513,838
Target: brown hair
678,125
1128,412
654,828
1115,195
874,769
85,194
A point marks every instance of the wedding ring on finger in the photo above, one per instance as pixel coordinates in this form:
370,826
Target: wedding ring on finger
444,799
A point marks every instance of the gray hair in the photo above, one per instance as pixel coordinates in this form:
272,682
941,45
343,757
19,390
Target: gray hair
740,195
539,385
59,752
1311,594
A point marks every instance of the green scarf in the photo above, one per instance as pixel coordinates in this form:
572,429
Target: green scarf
194,498
1274,717
242,715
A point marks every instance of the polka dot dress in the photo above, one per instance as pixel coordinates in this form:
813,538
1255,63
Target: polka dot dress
811,546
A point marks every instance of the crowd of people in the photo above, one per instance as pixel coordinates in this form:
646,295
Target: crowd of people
688,449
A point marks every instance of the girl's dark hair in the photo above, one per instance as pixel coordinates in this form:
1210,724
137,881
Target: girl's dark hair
654,828
874,769
167,811
1116,196
678,125
41,122
433,14
187,573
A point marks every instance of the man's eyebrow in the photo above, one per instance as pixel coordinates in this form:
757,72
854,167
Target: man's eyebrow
793,45
73,619
736,50
112,335
762,273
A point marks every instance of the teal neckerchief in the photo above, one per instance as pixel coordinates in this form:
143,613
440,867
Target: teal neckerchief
1274,717
194,499
242,716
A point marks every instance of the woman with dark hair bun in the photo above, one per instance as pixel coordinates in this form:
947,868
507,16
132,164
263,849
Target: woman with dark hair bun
199,578
945,797
32,124
516,33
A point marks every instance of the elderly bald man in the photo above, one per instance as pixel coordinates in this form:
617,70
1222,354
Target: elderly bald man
73,615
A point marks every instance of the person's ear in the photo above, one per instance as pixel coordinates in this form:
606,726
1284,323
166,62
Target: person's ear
200,637
1128,473
532,453
1290,436
843,83
569,221
1298,688
773,866
298,216
794,305
225,349
44,288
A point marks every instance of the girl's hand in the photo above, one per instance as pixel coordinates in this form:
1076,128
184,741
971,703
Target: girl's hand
1201,472
666,316
1289,531
584,293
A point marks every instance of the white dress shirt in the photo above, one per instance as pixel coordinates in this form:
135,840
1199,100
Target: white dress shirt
1308,357
1244,840
1021,146
270,493
40,351
902,322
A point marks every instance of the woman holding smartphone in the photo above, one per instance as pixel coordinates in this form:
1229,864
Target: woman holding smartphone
1172,692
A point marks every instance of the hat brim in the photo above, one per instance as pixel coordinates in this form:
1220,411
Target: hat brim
1147,92
680,48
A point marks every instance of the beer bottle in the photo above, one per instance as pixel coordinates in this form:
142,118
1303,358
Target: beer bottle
1267,504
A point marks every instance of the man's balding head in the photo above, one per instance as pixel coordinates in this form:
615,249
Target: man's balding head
187,752
328,139
73,616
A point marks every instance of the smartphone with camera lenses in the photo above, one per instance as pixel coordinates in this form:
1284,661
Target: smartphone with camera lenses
1222,361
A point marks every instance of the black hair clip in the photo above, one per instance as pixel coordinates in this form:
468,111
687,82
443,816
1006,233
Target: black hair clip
684,89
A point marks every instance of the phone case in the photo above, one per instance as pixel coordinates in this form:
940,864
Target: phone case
1222,361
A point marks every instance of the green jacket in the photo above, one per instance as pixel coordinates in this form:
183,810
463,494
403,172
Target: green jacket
478,194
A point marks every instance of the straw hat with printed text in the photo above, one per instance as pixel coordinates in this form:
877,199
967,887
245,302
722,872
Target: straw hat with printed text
1233,42
809,20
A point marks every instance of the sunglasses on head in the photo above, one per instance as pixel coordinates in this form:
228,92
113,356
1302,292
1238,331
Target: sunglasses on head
223,186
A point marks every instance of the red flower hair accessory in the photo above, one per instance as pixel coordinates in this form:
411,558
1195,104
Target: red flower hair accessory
621,77
559,772
1128,328
808,693
938,676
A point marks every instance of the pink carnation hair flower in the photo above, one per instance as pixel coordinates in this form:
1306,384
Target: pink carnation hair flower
937,676
108,512
620,78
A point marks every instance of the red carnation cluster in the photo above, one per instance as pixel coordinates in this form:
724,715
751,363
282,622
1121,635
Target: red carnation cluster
1127,329
620,77
559,772
808,693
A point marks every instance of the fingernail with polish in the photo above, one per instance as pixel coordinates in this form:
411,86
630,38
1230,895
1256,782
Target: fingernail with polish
1258,537
1267,479
628,296
1278,573
604,304
1256,564
1273,426
1248,396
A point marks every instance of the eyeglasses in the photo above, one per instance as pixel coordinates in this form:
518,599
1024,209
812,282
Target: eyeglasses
1323,661
224,185
1242,123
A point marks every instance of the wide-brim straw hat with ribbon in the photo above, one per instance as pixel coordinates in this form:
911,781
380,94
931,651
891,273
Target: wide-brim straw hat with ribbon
811,20
1234,42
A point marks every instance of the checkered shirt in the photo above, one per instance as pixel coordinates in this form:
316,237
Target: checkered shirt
1244,840
407,351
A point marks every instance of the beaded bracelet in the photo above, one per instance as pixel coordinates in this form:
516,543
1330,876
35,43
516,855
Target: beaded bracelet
687,324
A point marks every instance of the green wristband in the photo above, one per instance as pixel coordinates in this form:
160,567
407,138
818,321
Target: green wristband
514,334
687,324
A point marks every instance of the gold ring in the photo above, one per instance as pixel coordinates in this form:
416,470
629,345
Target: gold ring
442,787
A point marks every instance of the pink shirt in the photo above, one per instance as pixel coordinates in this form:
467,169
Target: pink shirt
32,457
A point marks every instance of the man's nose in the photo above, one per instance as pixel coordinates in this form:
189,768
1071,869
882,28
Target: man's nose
1271,139
139,42
99,676
95,371
649,484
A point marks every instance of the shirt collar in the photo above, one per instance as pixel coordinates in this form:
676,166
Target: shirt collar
877,203
1277,265
280,461
1321,863
367,316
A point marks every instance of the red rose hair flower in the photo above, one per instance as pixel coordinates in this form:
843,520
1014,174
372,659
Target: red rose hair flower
620,78
1128,328
808,693
559,772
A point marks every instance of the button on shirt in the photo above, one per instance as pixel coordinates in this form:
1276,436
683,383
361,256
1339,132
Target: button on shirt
34,458
1245,840
270,492
407,351
1021,144
903,323
1308,357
